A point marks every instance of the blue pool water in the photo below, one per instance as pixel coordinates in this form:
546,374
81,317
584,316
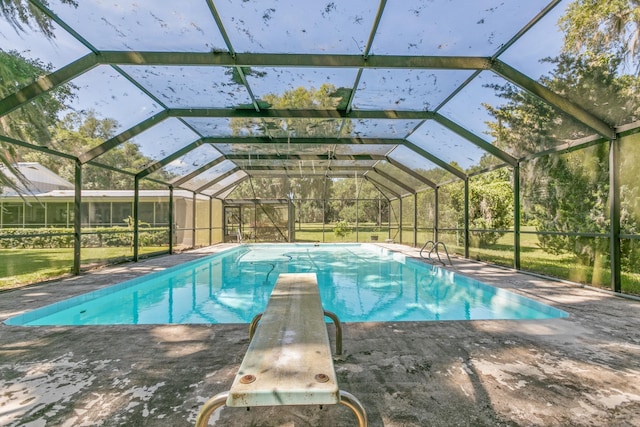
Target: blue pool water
360,283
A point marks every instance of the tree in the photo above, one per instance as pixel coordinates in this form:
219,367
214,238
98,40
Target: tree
327,96
490,204
20,13
30,123
568,193
77,132
343,197
599,29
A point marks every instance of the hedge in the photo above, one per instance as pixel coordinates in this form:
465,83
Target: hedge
51,238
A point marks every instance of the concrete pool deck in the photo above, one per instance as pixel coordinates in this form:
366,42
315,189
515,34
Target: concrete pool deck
583,370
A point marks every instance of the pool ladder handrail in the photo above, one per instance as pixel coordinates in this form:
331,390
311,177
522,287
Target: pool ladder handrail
434,248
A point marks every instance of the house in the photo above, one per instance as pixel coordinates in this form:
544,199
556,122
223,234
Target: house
48,201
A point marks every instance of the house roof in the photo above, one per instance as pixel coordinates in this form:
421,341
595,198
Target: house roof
39,179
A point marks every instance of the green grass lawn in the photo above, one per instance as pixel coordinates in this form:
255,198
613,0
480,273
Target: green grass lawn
313,233
24,266
564,266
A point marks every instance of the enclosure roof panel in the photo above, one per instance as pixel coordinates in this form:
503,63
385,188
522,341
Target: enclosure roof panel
293,26
165,138
193,160
110,95
392,172
54,51
464,27
182,26
380,128
193,86
528,54
197,91
228,184
450,147
331,84
384,182
406,89
209,175
425,168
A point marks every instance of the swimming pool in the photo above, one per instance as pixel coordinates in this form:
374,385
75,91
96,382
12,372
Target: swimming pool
360,283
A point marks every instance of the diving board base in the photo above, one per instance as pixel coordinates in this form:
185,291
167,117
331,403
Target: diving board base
220,400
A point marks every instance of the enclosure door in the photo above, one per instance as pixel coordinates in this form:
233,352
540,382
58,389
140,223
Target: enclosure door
232,223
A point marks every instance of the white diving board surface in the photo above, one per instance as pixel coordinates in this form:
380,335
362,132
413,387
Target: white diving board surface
289,360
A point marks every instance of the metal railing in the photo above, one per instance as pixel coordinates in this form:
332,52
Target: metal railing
434,249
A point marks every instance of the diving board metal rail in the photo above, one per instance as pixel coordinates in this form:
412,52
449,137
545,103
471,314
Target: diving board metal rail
289,359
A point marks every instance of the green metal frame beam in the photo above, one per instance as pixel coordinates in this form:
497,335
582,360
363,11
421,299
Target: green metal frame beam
46,83
552,98
291,141
615,208
274,201
329,174
411,172
293,60
568,147
306,175
628,129
295,170
474,139
444,165
39,148
197,172
327,156
176,155
299,113
217,179
394,181
384,187
516,218
123,137
234,184
77,217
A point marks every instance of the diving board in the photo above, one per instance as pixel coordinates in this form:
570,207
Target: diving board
289,359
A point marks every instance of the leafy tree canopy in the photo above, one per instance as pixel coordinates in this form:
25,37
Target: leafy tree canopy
21,13
32,122
75,134
599,29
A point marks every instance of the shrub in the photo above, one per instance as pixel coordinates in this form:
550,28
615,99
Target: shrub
53,238
341,229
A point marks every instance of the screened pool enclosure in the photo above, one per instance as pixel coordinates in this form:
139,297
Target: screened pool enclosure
506,129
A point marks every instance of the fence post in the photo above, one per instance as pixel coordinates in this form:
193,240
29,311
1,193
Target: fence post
77,216
614,206
516,216
171,219
466,217
136,214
